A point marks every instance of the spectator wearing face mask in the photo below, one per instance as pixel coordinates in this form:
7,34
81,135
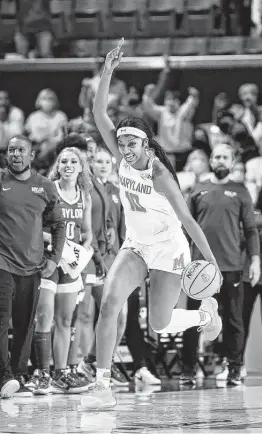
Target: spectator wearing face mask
175,127
243,142
220,130
11,120
196,169
133,102
201,140
45,127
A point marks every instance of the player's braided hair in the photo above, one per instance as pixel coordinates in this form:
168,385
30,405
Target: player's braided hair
153,144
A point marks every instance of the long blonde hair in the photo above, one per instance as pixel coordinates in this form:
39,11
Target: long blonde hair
83,180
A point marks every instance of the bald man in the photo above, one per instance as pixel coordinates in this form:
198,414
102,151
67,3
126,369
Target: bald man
221,206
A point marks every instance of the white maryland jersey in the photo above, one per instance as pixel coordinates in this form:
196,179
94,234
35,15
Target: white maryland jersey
149,216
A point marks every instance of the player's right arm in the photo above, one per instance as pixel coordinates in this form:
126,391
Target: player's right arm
102,120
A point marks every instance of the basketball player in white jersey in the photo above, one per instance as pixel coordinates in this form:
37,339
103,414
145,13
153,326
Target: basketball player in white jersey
59,292
154,211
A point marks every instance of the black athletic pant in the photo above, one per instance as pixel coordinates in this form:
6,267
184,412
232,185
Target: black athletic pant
18,299
250,296
139,349
230,301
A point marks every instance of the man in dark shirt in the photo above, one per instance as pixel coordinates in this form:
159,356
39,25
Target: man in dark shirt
220,206
27,203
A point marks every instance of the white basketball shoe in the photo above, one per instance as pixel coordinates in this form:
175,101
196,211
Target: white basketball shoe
213,328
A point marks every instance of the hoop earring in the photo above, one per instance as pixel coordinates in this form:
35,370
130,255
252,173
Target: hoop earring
149,152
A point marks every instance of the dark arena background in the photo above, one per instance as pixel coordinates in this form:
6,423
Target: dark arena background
175,51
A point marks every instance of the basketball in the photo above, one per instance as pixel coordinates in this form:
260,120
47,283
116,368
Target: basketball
200,279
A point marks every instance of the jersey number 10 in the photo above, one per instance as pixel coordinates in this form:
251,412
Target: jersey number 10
134,202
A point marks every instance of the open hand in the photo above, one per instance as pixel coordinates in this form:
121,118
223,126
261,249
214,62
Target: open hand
114,57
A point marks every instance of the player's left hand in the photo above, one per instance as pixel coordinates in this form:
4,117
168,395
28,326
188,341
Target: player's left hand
254,273
49,268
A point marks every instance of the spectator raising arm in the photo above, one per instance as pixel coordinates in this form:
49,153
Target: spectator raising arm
151,108
188,108
158,92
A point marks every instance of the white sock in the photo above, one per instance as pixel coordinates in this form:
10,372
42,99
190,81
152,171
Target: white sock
182,320
103,376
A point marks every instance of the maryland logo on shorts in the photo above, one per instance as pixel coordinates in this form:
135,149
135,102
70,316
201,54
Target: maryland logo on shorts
179,262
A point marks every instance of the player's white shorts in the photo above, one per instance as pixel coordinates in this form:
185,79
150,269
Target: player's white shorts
61,283
171,255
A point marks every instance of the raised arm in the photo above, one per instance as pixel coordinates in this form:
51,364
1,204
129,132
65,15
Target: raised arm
102,120
151,108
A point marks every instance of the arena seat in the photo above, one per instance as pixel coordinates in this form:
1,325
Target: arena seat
199,17
152,47
252,46
122,19
188,46
225,45
7,20
7,29
162,18
88,18
200,6
8,9
84,48
108,44
58,10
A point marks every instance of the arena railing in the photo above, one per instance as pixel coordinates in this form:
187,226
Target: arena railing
134,63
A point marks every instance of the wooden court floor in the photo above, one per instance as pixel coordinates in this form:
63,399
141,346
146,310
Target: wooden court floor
158,410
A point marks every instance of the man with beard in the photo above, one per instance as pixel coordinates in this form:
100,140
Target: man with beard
28,202
221,206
